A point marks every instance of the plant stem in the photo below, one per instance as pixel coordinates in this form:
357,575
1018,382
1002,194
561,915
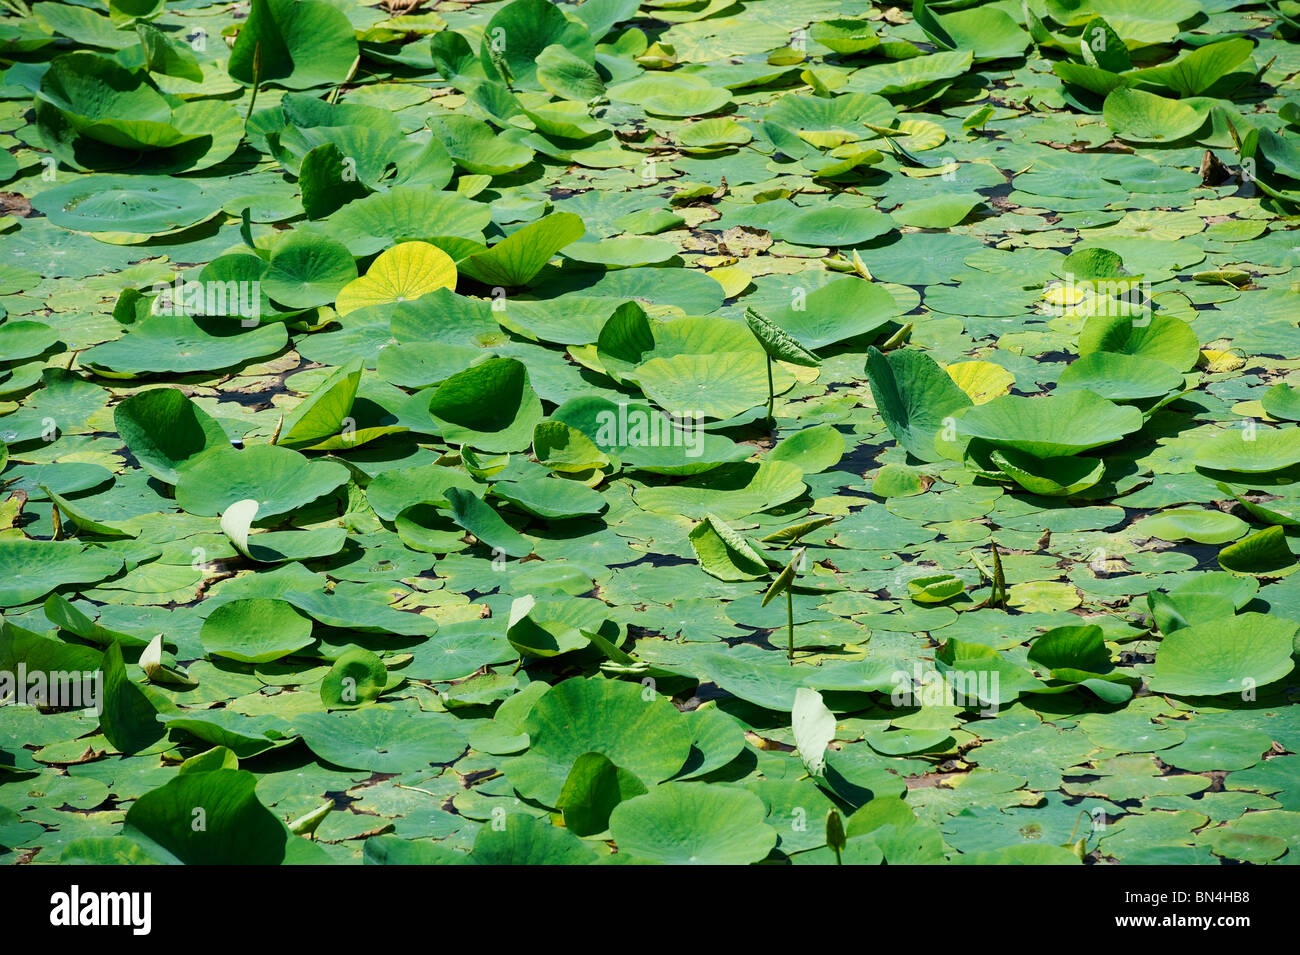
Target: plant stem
999,579
771,393
257,83
789,618
334,96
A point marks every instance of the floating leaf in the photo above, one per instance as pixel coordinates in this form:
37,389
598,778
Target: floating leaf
377,738
725,554
1054,426
308,270
491,406
1264,554
915,398
31,569
255,630
686,824
278,479
237,828
164,429
484,523
1144,117
647,738
160,344
297,44
403,273
357,677
592,790
1229,655
520,256
1251,451
144,205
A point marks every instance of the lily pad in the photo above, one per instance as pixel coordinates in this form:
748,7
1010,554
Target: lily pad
491,406
378,738
31,569
145,205
1053,426
255,630
915,398
1232,655
278,479
162,344
726,826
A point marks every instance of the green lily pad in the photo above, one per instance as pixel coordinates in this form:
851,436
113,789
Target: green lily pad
592,790
31,569
484,523
308,270
278,479
1053,426
813,449
1160,338
478,150
1195,524
726,826
731,492
1282,401
164,429
128,719
552,499
1217,748
357,677
490,406
645,738
255,630
1251,450
1050,477
297,45
20,341
1143,117
520,256
237,827
935,588
525,840
1264,554
530,27
161,344
144,205
1231,655
841,309
722,385
725,554
835,227
379,738
1120,377
915,397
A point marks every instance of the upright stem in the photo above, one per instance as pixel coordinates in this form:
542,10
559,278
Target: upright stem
999,578
789,618
771,392
334,96
257,82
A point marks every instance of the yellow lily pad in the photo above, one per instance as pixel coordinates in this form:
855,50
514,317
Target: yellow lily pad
981,380
405,272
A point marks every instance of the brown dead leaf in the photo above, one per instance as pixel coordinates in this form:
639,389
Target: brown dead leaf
743,240
14,204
